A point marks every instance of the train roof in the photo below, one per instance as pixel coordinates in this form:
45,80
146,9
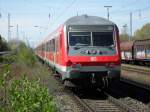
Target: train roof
88,20
80,20
142,42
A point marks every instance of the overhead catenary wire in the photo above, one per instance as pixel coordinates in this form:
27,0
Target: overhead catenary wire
63,12
65,9
124,12
60,15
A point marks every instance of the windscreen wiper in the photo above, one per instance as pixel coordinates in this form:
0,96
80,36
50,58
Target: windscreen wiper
79,45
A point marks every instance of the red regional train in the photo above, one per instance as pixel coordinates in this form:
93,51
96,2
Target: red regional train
84,51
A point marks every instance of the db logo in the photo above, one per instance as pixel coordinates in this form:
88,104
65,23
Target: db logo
93,59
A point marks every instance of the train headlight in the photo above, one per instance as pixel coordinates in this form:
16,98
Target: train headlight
75,65
110,65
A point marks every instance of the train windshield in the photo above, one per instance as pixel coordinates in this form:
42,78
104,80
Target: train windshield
102,38
79,38
91,39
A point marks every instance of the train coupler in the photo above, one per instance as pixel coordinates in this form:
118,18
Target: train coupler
93,79
105,81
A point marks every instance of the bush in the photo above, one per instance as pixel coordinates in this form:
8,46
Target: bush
26,96
22,95
26,55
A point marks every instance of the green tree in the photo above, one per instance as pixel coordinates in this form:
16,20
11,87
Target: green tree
3,44
124,37
143,33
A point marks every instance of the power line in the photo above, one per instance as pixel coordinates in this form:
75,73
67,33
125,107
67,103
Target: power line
63,12
128,11
142,18
66,9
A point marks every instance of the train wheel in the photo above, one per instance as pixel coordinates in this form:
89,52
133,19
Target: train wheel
68,83
106,83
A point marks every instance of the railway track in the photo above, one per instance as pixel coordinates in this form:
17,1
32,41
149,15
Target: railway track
5,61
136,75
100,102
128,103
108,103
115,100
135,68
98,105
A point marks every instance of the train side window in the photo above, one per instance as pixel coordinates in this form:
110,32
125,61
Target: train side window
53,45
46,46
50,45
60,41
56,44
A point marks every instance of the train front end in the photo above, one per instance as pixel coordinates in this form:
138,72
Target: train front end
93,54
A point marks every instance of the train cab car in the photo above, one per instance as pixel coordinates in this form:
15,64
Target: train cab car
85,51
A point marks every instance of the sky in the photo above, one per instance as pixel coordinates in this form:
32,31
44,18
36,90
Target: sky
38,18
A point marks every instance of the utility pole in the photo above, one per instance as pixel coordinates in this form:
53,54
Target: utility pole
108,11
9,27
49,16
130,26
17,32
125,29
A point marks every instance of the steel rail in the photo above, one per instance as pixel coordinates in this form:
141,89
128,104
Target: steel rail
135,69
141,76
84,104
135,84
101,106
117,102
